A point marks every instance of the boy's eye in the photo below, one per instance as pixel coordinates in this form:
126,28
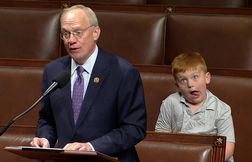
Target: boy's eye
195,77
182,81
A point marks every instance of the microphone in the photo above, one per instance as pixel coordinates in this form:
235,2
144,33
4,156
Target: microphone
59,82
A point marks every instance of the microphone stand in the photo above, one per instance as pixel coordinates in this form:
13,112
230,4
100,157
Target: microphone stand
6,127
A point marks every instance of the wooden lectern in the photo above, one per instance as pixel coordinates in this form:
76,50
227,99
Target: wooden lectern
60,155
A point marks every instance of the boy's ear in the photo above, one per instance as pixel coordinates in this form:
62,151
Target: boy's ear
175,81
208,78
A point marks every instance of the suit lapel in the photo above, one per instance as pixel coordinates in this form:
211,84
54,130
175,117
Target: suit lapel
68,104
66,93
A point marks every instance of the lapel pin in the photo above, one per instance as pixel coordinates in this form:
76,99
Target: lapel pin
96,80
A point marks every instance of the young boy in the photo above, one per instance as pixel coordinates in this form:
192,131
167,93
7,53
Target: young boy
194,109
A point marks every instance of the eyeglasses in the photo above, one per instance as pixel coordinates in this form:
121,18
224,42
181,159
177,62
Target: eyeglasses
65,35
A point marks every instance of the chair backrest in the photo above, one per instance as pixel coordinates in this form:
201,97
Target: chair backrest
223,39
158,84
237,92
20,88
200,3
116,1
161,147
136,36
29,33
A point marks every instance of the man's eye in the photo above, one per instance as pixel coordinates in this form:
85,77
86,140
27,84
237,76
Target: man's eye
65,34
78,33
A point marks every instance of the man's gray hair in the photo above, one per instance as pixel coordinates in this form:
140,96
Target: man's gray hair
88,11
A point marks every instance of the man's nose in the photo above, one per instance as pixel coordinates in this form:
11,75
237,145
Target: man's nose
71,39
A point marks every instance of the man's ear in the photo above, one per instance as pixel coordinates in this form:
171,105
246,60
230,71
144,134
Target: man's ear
208,78
96,33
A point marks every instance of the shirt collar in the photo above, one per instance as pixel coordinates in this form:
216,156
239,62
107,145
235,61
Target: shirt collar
209,100
88,65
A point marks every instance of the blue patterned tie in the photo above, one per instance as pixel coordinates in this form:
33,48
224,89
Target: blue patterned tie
78,90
